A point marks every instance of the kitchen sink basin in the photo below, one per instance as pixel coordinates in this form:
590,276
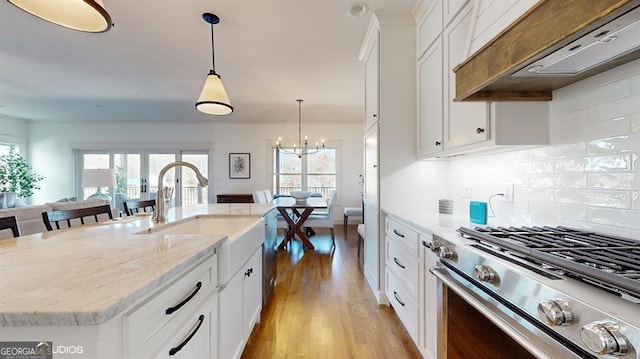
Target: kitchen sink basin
244,236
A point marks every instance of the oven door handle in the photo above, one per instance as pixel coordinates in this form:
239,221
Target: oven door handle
443,275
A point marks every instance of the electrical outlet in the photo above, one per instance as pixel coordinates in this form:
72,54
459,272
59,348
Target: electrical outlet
508,193
465,191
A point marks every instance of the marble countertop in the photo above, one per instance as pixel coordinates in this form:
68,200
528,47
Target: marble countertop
87,275
431,222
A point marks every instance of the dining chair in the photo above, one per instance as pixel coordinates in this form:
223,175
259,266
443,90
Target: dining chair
259,197
268,196
132,207
325,219
10,223
75,215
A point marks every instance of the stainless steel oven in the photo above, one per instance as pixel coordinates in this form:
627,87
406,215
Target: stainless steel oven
537,292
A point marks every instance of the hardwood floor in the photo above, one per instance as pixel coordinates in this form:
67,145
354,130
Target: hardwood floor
322,307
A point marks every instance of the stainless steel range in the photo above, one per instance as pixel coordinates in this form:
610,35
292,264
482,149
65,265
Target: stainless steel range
558,292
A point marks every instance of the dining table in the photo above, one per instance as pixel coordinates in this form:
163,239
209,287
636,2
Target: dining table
296,212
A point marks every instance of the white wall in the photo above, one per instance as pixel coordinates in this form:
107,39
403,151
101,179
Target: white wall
590,175
51,145
13,130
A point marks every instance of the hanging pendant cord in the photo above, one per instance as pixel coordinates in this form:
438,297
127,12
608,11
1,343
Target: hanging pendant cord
299,124
213,56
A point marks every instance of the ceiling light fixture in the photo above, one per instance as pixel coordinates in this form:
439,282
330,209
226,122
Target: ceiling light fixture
213,99
298,149
357,9
81,15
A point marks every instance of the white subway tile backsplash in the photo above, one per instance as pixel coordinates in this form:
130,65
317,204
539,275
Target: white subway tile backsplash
589,177
541,181
609,199
614,217
622,180
559,151
540,167
616,162
540,194
611,127
560,210
624,143
570,196
570,180
577,164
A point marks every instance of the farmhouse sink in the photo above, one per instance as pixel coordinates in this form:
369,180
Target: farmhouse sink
244,236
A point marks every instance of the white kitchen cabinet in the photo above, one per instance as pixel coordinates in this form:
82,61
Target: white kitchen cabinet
467,122
429,315
371,79
451,9
371,203
403,275
390,140
429,25
163,319
469,126
430,101
240,303
196,338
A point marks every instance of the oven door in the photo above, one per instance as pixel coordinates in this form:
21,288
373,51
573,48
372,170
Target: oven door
474,323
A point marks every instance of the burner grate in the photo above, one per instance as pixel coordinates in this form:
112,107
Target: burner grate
610,260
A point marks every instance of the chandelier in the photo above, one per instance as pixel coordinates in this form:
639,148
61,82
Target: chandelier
301,148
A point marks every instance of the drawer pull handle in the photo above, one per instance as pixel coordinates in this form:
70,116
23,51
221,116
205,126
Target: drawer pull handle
179,305
398,233
175,350
248,272
395,294
425,244
398,263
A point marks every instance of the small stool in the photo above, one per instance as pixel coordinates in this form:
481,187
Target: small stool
351,211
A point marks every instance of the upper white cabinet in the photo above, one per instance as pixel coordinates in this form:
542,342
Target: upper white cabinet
372,79
445,127
430,101
468,122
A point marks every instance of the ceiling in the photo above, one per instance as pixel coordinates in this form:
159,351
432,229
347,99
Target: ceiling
151,65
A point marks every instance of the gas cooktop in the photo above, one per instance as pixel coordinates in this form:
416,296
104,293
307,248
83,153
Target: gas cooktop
611,262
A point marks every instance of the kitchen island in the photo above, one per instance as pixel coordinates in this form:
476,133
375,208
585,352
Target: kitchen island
89,288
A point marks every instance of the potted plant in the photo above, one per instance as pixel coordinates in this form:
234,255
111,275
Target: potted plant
17,176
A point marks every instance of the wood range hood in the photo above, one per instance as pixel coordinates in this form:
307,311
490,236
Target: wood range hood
529,59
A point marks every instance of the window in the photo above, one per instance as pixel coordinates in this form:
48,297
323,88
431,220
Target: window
315,172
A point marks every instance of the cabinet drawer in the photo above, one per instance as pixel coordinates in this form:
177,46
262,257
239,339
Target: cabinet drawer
404,236
403,303
157,317
404,266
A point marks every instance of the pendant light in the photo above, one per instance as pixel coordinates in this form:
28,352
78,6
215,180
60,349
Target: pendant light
301,148
81,15
213,99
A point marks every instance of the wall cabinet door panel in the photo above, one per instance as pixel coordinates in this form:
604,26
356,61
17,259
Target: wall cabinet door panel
468,122
430,101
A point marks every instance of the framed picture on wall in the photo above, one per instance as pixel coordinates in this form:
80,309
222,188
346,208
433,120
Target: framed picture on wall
239,165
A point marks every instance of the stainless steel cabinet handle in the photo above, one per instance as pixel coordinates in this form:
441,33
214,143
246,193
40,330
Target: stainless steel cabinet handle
175,350
187,299
398,263
395,294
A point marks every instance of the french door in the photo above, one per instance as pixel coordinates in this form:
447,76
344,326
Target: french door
137,173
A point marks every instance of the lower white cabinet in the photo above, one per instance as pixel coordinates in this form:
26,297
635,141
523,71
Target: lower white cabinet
196,338
240,304
429,315
167,318
403,273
